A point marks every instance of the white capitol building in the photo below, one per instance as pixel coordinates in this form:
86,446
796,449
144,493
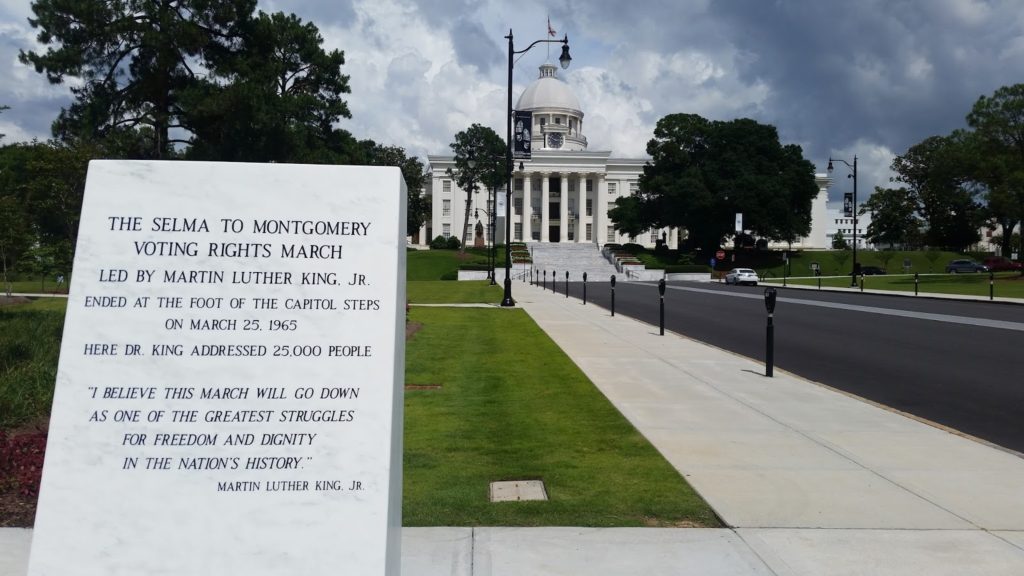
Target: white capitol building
563,193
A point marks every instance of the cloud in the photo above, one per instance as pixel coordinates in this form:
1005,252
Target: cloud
869,78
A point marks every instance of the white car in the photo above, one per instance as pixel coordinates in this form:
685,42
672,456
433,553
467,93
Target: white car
741,276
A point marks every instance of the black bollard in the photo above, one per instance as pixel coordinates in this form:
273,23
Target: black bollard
584,288
991,285
769,304
819,282
566,283
545,285
613,294
554,281
661,301
915,283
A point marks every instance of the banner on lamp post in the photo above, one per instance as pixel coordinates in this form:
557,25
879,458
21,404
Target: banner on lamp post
739,222
521,135
848,204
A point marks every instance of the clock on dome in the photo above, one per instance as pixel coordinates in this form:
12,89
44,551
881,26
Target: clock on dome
555,140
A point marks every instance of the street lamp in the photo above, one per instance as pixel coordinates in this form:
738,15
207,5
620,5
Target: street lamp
564,60
853,275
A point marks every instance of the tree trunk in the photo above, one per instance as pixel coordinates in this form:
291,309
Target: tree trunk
1006,242
465,222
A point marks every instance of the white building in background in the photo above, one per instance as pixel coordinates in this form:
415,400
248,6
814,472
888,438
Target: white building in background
818,238
990,238
563,193
837,221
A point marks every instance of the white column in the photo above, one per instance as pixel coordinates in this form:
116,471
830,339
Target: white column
526,215
600,210
581,209
563,207
545,186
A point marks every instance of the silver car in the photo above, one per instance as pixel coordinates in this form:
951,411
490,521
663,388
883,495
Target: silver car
741,276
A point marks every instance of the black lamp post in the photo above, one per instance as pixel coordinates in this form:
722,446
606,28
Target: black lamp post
564,60
853,275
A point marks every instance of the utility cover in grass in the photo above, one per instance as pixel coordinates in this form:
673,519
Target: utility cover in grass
514,490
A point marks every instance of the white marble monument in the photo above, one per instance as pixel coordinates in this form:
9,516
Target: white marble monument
229,393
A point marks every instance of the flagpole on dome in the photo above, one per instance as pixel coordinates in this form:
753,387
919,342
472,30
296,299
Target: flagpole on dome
551,33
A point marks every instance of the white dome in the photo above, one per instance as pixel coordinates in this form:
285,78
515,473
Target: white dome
548,92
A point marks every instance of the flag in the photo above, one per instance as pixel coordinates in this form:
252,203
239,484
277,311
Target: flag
551,31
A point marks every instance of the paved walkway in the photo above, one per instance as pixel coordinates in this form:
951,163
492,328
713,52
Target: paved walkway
810,481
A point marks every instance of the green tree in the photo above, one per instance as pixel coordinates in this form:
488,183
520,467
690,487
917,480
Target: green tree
133,60
479,160
894,218
48,182
15,235
839,241
276,97
628,215
998,125
415,176
937,172
703,172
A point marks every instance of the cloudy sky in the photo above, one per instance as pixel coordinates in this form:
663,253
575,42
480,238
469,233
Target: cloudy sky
864,77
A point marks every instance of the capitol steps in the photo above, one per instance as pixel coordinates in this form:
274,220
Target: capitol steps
557,258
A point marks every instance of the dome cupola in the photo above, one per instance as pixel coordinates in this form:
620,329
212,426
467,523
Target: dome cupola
557,118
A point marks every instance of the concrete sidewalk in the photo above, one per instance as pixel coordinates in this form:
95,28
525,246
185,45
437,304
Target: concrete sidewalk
811,481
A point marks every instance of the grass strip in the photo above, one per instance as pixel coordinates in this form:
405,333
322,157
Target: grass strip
467,292
512,406
444,264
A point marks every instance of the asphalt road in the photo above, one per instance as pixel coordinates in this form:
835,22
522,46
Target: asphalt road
952,362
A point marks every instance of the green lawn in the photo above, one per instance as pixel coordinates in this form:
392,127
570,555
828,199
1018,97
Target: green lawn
1006,285
41,286
512,406
467,291
444,264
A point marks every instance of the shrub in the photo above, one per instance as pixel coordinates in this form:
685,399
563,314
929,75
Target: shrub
453,243
473,267
633,248
438,243
450,276
21,462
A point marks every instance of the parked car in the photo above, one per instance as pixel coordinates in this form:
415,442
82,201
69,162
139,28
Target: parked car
958,266
871,271
741,276
1000,264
